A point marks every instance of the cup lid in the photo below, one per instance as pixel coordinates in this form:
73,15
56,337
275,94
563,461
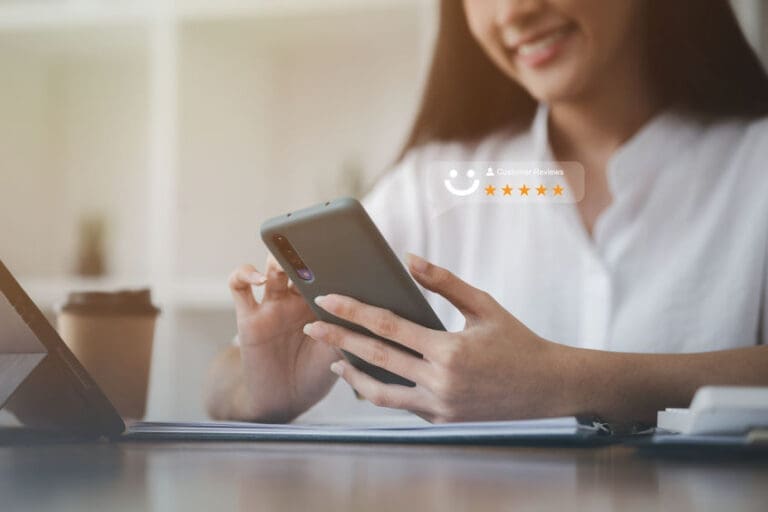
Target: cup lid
121,302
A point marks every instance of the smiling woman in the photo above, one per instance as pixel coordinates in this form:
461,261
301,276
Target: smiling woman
651,291
693,52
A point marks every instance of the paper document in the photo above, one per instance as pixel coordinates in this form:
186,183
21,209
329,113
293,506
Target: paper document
552,430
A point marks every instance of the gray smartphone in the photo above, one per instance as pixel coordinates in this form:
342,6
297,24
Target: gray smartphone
335,247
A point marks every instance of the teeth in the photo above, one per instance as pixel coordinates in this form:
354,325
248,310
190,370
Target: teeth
540,44
509,36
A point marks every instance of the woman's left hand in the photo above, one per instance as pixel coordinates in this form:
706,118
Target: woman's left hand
494,369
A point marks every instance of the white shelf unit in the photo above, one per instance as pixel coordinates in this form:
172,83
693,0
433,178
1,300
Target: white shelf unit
185,124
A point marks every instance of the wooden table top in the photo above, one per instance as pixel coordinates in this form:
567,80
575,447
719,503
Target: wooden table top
216,476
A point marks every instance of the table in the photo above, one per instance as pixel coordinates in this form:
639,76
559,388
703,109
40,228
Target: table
217,476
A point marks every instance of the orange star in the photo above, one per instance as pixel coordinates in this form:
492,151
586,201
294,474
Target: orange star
524,190
541,190
490,190
507,190
558,190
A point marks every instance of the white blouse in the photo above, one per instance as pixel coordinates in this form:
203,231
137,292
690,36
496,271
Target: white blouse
677,263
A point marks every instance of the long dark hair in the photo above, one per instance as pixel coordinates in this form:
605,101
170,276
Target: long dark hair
697,55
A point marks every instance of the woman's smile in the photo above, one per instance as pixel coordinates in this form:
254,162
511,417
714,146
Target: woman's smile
536,49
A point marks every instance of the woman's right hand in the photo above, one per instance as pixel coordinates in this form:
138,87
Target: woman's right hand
285,371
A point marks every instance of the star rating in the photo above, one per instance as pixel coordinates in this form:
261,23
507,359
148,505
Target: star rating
524,190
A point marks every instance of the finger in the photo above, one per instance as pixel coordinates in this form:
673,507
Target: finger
384,395
292,287
469,300
277,280
374,351
380,321
241,281
272,263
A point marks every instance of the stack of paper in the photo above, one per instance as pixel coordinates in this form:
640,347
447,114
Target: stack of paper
565,430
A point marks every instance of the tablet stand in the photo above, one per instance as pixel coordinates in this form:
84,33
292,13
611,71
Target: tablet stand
14,369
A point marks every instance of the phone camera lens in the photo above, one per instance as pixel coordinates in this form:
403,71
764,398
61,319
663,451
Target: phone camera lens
286,249
305,274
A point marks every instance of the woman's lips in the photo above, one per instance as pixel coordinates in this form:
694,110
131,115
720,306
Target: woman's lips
538,49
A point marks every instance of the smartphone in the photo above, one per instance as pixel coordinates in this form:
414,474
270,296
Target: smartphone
334,247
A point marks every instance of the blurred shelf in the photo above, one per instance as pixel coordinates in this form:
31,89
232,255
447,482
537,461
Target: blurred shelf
204,9
109,28
102,41
30,15
191,294
49,292
25,15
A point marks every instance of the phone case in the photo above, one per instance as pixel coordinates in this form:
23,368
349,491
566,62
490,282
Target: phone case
347,255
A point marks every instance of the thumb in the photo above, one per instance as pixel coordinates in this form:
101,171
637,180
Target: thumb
469,300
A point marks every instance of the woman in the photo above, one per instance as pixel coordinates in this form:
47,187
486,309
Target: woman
653,285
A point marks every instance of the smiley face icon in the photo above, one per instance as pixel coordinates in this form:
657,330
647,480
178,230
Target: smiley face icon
461,191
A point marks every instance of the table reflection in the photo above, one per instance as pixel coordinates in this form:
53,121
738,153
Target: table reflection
247,476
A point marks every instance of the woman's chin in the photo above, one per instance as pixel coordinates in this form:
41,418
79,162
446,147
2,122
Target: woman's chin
556,87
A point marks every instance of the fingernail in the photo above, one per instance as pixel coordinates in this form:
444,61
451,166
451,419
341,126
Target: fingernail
417,264
337,368
329,303
315,330
257,278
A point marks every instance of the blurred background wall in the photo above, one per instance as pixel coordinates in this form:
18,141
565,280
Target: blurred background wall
152,138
